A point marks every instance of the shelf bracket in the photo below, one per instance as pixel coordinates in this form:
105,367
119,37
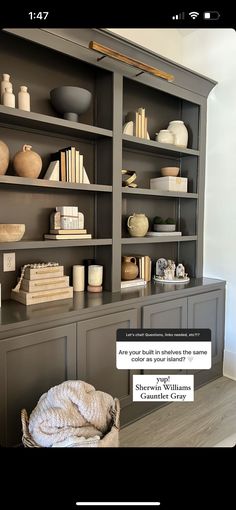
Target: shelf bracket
109,52
101,58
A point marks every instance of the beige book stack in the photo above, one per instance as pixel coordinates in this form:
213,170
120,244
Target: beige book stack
43,284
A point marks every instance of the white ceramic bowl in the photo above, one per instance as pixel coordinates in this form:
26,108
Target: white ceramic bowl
10,232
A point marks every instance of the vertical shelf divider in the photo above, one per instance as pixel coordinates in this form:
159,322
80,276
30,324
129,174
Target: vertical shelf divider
116,180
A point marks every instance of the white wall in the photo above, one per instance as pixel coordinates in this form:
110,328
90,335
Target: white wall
213,53
166,42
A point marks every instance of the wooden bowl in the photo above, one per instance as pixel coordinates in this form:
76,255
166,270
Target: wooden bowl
170,171
11,232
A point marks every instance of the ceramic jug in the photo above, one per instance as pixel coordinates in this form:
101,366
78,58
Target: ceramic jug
27,163
129,268
137,225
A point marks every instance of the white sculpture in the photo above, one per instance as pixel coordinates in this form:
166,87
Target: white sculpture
180,271
169,272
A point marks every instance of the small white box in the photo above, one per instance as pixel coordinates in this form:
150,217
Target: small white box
170,184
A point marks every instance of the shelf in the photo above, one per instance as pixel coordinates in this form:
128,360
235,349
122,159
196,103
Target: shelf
132,142
54,125
35,245
156,193
43,183
164,239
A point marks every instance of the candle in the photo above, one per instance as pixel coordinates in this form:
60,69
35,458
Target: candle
95,273
78,278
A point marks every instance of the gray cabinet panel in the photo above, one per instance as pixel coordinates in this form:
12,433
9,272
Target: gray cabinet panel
171,314
207,311
29,366
96,354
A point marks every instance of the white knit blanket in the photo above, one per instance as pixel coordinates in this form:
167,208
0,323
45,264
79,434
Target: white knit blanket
70,410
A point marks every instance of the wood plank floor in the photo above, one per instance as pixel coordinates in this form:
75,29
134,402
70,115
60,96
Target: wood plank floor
204,422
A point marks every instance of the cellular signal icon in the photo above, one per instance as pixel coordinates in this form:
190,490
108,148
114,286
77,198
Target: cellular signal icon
193,14
181,15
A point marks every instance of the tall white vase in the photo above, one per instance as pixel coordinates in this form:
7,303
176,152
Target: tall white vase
24,99
4,84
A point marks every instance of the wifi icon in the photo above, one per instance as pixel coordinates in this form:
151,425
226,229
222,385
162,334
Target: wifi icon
193,14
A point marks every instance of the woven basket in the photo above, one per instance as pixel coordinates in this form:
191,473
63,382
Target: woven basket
111,439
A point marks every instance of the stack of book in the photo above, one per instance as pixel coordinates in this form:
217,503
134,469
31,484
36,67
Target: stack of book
129,284
43,284
139,123
67,223
67,166
145,267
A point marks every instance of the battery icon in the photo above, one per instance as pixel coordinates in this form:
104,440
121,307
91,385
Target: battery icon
212,15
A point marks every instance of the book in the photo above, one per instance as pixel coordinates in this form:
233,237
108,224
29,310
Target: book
44,284
132,283
67,236
163,234
43,272
32,298
63,231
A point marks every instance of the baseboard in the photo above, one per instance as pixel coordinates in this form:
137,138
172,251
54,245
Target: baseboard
229,367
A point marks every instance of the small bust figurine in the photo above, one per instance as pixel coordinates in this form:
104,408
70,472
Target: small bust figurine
180,271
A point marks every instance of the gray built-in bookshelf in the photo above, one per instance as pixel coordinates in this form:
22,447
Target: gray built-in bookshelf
43,345
106,151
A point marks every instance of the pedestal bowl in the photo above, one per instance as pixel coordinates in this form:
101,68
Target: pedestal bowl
70,101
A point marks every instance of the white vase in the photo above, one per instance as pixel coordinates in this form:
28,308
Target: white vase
165,136
24,99
95,274
4,84
9,97
180,133
78,278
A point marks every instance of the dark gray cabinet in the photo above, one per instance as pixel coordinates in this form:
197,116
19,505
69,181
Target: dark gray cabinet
29,366
96,354
170,314
207,311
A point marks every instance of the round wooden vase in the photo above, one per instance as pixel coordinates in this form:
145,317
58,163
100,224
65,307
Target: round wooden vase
27,163
129,268
4,157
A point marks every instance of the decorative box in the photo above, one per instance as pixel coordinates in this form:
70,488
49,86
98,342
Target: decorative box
170,184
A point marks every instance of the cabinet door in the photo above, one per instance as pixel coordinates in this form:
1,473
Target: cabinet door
96,354
171,314
30,365
207,311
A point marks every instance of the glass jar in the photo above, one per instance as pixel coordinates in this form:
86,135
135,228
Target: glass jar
180,132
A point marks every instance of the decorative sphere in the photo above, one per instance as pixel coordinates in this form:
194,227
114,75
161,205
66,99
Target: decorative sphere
4,157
